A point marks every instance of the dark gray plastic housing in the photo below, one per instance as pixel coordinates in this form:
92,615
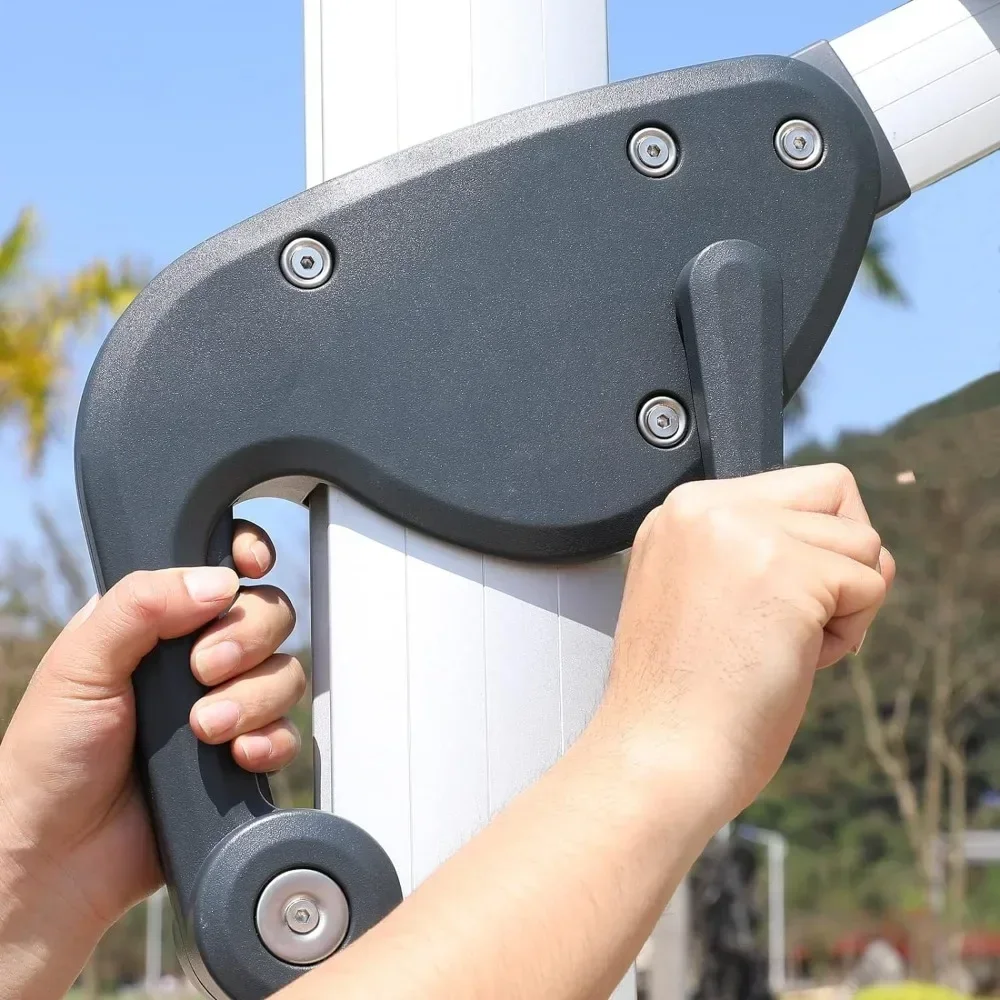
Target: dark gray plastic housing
503,302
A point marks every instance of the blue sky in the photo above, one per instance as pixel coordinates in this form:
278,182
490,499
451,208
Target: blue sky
145,128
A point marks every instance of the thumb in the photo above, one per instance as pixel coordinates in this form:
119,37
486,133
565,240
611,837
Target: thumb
98,655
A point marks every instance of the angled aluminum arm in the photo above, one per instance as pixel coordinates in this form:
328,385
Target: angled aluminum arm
930,71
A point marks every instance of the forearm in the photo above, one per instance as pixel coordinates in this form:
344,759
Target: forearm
553,900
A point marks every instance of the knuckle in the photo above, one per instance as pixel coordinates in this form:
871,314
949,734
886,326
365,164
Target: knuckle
687,504
142,597
757,551
642,536
872,544
717,528
735,537
841,478
766,553
724,526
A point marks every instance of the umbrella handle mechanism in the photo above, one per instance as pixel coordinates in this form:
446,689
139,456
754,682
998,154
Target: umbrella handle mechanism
517,338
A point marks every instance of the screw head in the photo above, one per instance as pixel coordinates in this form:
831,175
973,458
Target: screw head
302,914
663,421
653,152
306,262
799,144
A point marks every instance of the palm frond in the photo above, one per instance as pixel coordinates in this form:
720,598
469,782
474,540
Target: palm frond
37,323
15,245
77,303
876,273
878,277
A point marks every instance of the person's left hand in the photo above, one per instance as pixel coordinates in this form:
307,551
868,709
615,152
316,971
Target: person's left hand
74,831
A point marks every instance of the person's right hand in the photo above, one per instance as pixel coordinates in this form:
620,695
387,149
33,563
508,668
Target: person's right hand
737,592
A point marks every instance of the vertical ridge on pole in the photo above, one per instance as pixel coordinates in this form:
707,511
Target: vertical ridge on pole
312,25
449,767
444,682
360,644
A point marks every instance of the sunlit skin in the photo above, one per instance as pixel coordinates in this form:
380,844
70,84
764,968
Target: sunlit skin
737,593
74,833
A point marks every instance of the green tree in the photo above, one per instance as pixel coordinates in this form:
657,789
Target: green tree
897,757
39,320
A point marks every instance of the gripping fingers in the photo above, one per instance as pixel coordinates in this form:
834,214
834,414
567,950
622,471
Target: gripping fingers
253,551
260,620
855,539
269,748
249,702
824,489
858,593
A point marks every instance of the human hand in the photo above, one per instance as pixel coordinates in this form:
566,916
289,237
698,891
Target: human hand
738,591
74,831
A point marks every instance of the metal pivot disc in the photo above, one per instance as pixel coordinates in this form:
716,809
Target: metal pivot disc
302,916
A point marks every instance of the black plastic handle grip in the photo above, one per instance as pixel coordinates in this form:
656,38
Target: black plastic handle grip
221,840
731,314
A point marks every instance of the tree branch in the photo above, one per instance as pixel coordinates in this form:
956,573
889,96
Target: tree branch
893,764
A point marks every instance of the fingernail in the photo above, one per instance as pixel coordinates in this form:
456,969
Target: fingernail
857,648
208,584
262,555
218,661
218,718
256,747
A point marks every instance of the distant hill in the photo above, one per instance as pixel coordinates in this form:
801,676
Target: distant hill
978,396
974,398
849,861
956,436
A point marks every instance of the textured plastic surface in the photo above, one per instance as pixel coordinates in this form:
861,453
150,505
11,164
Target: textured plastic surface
503,301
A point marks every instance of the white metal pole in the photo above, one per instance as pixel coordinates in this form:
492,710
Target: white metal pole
777,852
444,682
776,946
154,941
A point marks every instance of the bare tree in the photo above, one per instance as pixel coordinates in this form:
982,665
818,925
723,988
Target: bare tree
934,657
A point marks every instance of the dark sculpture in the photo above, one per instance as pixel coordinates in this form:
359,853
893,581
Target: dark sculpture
728,957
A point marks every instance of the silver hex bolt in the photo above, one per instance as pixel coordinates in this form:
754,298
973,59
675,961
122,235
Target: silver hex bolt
799,144
663,422
302,916
306,262
653,152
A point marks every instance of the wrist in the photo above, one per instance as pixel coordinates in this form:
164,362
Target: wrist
45,937
670,776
